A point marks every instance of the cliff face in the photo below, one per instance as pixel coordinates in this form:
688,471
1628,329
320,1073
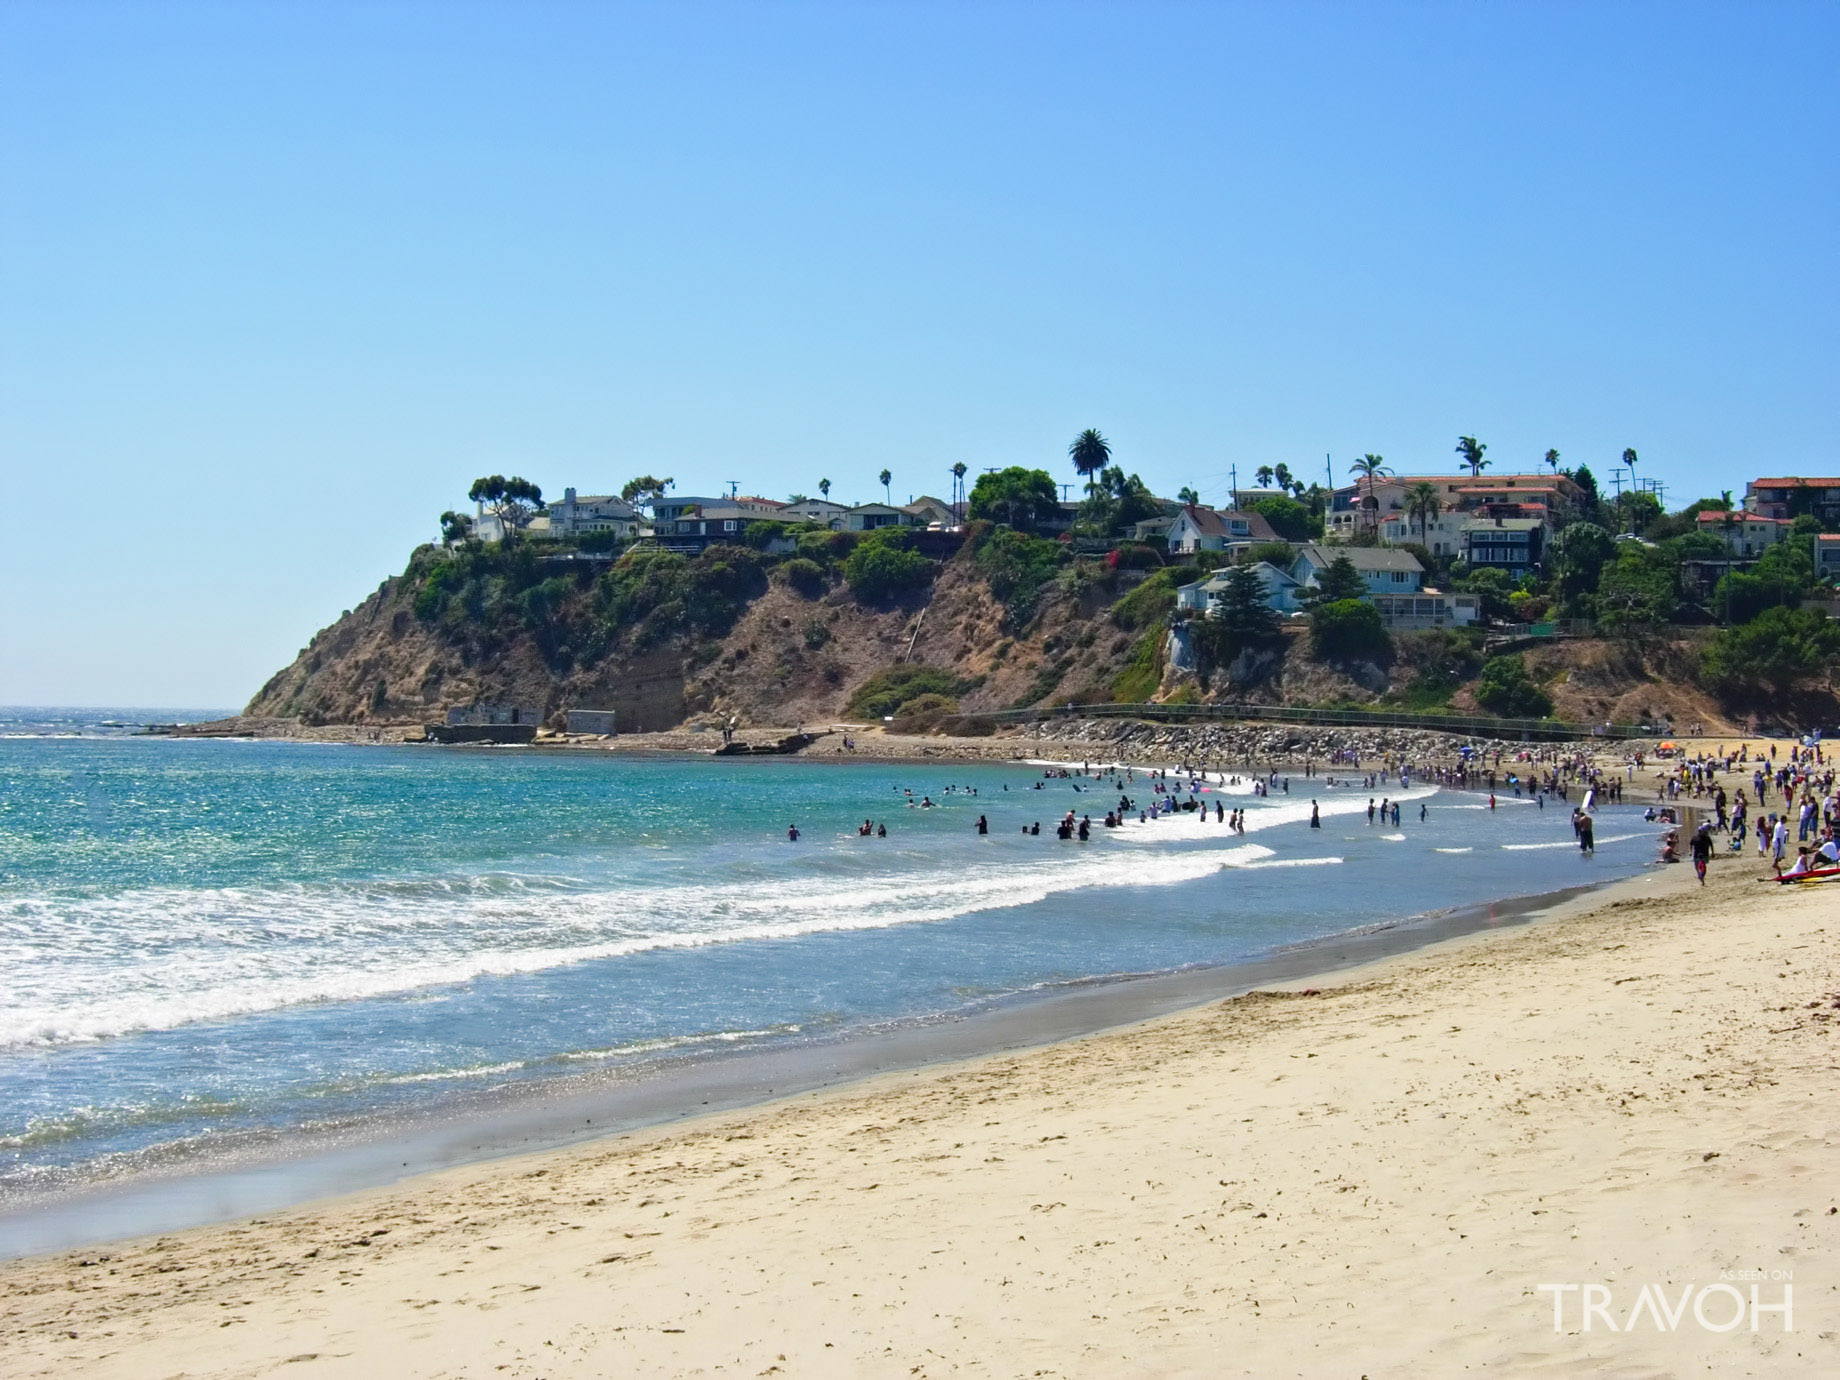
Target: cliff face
782,652
787,657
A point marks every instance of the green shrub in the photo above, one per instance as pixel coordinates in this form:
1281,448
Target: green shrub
1445,660
1149,603
1776,649
1017,567
1349,630
923,712
1289,518
1140,678
760,535
886,691
660,593
1504,689
881,567
805,575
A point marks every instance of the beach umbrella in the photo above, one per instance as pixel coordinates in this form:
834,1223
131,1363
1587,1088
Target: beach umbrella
1667,747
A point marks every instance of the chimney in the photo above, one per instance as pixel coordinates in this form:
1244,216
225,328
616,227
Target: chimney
568,498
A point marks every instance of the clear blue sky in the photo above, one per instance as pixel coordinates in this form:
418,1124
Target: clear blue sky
277,281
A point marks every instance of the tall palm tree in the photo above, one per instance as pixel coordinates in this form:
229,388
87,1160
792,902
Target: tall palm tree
958,489
883,479
1422,503
1264,476
1283,475
824,487
1552,460
1090,453
1372,468
1471,450
1629,459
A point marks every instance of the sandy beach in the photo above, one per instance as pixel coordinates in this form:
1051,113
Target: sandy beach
1371,1174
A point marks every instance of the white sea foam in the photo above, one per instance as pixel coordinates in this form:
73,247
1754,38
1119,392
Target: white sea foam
1291,862
1453,850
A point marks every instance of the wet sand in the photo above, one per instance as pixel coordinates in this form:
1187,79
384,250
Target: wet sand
1370,1173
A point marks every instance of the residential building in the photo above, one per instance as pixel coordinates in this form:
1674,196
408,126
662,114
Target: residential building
1789,498
927,511
669,509
710,520
1514,545
1283,593
1827,555
1748,535
1552,496
1441,535
866,517
819,510
1196,528
1383,569
576,516
1428,608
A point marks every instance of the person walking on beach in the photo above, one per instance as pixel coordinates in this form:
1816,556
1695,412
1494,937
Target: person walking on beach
1701,849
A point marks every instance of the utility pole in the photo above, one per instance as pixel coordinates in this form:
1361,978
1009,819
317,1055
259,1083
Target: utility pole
1233,479
734,487
1616,478
1329,469
1064,489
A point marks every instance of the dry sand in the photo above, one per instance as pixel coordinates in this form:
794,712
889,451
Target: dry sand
1370,1180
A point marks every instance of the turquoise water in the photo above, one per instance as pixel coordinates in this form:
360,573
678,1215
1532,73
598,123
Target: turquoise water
204,943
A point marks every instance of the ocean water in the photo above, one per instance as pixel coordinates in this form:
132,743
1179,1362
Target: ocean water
207,945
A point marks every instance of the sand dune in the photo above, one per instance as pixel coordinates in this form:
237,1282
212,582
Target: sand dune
1373,1178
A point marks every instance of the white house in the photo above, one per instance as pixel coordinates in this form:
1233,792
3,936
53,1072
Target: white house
1441,535
1749,535
1282,592
1196,528
866,517
820,510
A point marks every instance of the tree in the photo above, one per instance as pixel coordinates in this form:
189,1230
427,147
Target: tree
1090,453
1552,461
1639,588
1025,499
1264,475
1240,621
958,489
1338,582
1423,504
1777,648
1187,495
1583,549
883,479
514,501
1783,577
1503,688
1349,630
1471,450
1493,590
1288,518
1371,468
645,490
455,528
1587,481
824,489
1629,461
1283,475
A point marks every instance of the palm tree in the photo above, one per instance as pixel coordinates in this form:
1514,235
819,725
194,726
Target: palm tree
1090,453
1283,475
824,487
1264,476
1552,460
1423,504
1471,450
1629,459
1187,495
883,479
1371,467
958,489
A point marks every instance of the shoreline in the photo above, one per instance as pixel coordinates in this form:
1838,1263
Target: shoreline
557,1112
1313,1180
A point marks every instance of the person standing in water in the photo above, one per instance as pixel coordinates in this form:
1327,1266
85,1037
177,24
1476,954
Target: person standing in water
792,833
983,825
1315,816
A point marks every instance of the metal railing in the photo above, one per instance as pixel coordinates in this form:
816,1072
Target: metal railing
1477,726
